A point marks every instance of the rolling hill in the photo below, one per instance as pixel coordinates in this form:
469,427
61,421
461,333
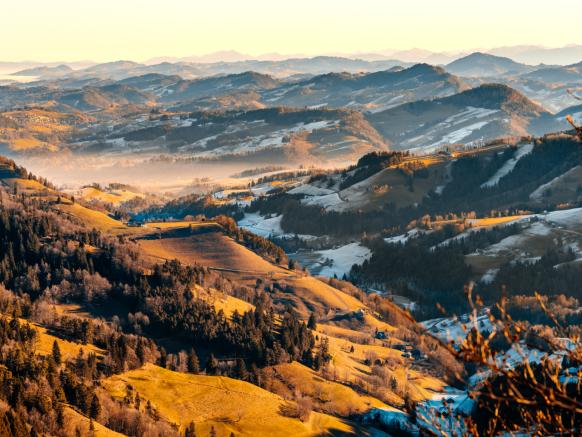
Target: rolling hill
369,92
263,135
245,409
486,65
473,116
565,74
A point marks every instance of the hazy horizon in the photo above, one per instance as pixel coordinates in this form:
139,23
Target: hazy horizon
67,31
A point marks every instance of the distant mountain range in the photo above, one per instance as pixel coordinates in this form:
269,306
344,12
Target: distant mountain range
295,113
370,92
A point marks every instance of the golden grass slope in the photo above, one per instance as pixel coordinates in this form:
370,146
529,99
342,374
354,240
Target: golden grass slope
351,363
75,420
96,219
113,197
69,349
37,128
329,396
227,404
221,301
312,292
212,249
493,221
216,250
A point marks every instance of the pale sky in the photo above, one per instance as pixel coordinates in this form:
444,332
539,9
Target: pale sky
102,30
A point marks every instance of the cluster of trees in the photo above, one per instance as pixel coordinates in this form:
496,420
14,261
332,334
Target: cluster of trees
430,269
425,276
9,169
193,204
44,255
369,165
36,388
262,246
554,273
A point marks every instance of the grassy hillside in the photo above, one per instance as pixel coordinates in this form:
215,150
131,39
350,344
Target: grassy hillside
213,249
113,197
329,396
69,349
77,421
38,129
243,408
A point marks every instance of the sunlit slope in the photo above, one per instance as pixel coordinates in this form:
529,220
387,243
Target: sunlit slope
212,249
93,219
226,404
69,350
75,420
113,197
332,397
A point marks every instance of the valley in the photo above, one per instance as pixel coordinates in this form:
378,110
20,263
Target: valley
323,245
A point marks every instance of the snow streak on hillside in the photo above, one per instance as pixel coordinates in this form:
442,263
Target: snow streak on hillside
508,166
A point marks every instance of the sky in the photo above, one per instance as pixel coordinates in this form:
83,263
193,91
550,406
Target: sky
103,30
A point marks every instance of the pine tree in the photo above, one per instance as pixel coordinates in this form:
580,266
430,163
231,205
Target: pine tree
241,369
312,322
140,352
190,430
193,363
95,409
163,357
57,353
212,365
60,416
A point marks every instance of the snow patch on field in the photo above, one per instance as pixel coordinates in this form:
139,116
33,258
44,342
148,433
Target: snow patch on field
566,217
456,328
325,201
403,238
489,276
509,243
337,261
261,226
268,227
310,190
508,166
458,135
343,258
440,415
273,139
470,113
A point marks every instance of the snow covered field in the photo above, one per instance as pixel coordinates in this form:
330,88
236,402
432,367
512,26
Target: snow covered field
403,238
261,142
262,226
440,415
268,227
311,190
343,258
456,328
452,130
326,201
337,261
